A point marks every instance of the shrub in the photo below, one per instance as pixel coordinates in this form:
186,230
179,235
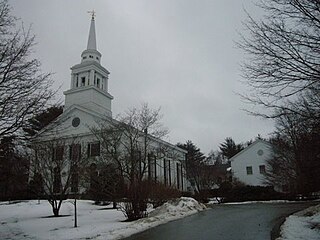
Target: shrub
251,193
159,193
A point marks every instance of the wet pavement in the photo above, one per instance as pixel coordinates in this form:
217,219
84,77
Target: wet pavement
225,222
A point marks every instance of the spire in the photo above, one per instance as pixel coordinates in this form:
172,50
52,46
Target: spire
92,43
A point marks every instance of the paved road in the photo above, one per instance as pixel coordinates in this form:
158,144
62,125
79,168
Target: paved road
225,222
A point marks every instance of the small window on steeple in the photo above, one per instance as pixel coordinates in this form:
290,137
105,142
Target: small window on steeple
98,82
83,81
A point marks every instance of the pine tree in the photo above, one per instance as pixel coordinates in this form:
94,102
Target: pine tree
229,148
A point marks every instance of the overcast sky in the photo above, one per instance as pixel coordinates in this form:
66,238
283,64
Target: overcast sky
177,54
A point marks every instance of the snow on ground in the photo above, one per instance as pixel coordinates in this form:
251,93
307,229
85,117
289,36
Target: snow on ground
30,220
304,225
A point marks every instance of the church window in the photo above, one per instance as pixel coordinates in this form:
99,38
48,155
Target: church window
58,153
94,149
90,56
57,157
77,82
178,175
97,58
152,167
56,180
76,122
167,172
83,81
75,156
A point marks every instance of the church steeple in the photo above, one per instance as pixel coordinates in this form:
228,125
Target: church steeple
92,43
89,80
91,53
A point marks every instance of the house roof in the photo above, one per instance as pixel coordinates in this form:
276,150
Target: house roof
249,147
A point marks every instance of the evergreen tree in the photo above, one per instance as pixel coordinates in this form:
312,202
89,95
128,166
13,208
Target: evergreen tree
194,163
229,148
43,119
13,170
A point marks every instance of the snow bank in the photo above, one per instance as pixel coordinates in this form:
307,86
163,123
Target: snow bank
250,202
169,211
304,225
29,220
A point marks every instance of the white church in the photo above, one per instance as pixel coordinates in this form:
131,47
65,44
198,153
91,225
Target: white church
88,102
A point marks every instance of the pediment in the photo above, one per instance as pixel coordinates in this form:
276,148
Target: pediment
74,121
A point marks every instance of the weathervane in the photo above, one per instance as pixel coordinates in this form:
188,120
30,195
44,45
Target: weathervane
93,14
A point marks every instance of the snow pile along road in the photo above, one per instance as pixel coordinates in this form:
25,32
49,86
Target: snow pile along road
169,211
304,225
179,207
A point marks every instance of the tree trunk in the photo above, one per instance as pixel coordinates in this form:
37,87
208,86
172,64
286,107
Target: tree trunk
55,211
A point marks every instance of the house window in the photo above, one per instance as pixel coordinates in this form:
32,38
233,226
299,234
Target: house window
90,56
262,169
83,81
84,57
94,149
249,170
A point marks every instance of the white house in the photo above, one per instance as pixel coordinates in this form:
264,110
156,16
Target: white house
249,165
87,102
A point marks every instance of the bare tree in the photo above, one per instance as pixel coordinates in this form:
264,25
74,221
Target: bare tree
24,90
60,164
132,144
282,166
296,161
283,57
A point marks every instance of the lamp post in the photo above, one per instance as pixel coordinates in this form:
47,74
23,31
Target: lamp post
75,211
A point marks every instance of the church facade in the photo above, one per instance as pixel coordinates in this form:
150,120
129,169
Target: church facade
87,103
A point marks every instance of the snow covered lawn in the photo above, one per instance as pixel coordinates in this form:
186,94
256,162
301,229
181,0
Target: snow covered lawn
30,220
304,225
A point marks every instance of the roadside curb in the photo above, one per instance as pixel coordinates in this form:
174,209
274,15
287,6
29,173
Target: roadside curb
275,232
